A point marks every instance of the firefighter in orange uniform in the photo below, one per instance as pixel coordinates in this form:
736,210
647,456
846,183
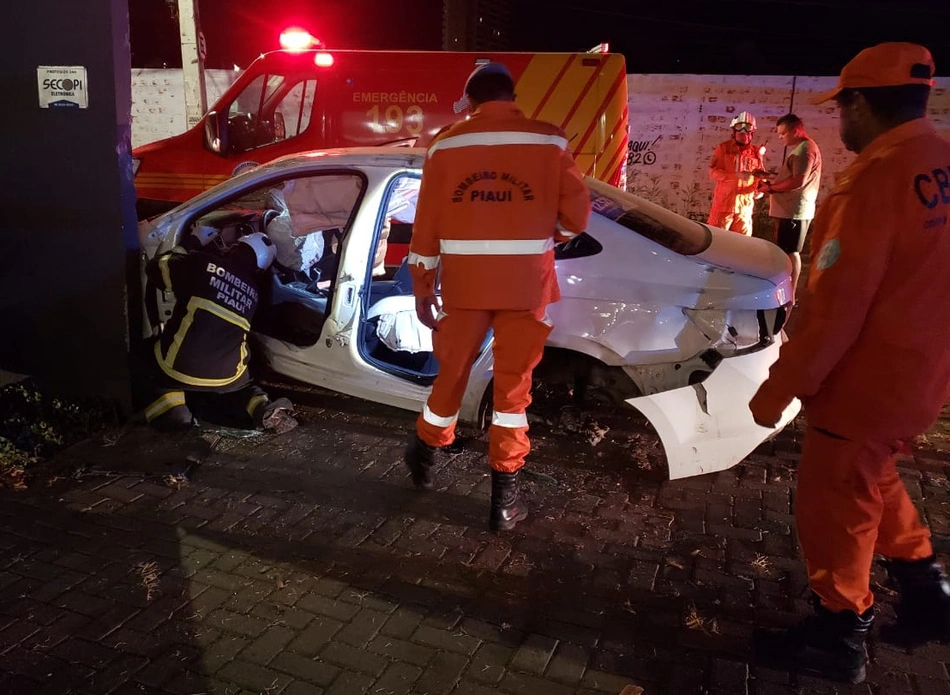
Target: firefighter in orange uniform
498,191
734,167
871,362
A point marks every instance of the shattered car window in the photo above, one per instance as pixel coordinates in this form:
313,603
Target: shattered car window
656,223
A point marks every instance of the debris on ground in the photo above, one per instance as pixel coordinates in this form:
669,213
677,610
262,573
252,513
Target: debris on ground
35,424
597,434
695,621
176,481
148,575
539,477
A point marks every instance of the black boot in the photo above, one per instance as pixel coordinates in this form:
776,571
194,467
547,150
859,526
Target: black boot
923,611
507,509
827,644
277,416
419,458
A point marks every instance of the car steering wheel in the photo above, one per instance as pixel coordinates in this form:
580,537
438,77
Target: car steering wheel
267,217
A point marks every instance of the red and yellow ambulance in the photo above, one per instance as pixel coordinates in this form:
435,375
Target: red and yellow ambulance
300,99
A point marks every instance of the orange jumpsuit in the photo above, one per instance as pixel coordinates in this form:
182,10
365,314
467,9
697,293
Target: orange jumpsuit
733,199
497,191
870,359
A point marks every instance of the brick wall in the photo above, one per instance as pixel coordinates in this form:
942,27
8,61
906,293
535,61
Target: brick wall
158,101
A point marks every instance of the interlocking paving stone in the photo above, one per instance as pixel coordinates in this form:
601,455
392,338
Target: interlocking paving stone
336,576
308,669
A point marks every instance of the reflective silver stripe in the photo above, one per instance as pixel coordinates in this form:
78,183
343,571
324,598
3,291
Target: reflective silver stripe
427,262
164,403
254,402
546,320
437,420
510,420
566,232
496,247
497,138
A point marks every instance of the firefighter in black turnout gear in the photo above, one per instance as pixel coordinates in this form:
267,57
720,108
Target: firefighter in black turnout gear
203,347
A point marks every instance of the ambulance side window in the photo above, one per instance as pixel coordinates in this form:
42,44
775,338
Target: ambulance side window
272,108
294,110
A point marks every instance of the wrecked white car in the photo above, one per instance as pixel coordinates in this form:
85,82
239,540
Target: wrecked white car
679,320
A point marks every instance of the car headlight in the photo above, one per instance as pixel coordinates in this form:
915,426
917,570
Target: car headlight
136,163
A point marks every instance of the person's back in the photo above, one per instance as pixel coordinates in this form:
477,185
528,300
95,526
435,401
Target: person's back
500,176
203,343
498,191
899,365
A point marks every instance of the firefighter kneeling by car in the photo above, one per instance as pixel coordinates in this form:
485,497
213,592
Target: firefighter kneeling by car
203,350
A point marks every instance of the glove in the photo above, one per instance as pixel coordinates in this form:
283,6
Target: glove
767,408
205,234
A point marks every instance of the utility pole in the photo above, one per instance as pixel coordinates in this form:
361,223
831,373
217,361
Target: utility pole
192,61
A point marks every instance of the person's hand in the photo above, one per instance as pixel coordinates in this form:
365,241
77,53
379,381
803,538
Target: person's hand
762,186
766,409
427,308
763,174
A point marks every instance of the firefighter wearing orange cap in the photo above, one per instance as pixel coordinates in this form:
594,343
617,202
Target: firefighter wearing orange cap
870,360
734,167
498,191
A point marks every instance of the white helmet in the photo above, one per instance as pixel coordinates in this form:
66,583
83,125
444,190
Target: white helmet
263,248
744,118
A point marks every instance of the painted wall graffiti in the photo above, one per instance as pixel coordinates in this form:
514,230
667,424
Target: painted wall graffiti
681,118
641,151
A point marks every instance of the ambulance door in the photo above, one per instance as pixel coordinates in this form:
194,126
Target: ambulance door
586,95
395,99
274,115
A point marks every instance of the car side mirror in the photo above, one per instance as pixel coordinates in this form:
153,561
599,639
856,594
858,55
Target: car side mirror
216,133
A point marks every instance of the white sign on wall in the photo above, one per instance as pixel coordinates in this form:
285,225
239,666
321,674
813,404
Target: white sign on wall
62,87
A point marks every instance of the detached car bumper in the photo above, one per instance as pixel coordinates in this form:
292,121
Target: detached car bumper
708,427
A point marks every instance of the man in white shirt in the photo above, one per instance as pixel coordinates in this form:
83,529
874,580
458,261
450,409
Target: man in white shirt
795,190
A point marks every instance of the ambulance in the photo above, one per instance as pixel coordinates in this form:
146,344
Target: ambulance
304,97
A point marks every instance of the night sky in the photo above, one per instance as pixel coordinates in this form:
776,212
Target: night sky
805,37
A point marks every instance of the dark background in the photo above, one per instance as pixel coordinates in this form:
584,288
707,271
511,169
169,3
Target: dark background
805,37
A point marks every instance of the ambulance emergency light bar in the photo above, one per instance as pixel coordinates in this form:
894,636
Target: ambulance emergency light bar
297,40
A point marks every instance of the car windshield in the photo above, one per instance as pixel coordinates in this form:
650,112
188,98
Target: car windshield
675,232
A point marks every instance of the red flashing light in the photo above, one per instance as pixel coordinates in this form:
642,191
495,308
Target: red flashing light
296,39
323,60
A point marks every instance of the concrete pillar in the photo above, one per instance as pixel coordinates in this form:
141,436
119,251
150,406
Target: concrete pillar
192,61
68,239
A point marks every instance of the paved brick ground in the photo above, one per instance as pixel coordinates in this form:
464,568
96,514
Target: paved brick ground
307,564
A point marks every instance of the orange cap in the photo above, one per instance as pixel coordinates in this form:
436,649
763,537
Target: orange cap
885,65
